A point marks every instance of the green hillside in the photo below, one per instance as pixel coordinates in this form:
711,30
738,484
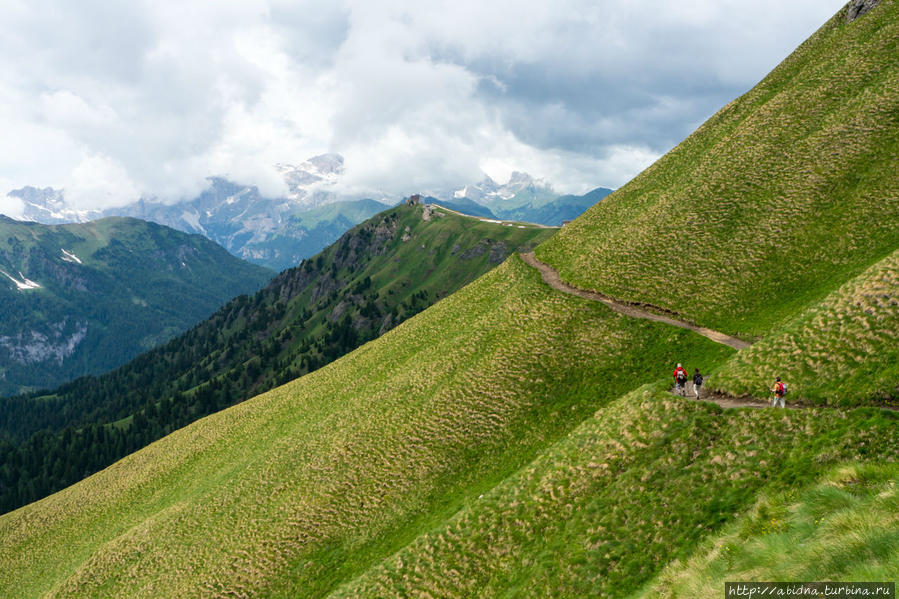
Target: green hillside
377,275
802,537
786,193
515,441
306,486
842,351
84,298
637,485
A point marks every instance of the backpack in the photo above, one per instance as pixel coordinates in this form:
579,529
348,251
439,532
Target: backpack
698,380
780,389
681,376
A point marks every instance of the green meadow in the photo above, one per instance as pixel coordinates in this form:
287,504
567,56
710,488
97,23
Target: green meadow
844,527
843,351
631,489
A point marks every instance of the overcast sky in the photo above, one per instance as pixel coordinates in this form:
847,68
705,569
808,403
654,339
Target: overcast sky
113,100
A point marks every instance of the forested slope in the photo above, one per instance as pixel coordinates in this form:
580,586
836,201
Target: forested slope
85,298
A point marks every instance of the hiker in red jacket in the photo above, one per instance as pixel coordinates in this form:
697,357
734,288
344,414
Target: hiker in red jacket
779,390
680,380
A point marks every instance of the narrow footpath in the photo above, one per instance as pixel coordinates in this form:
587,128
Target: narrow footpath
551,277
726,401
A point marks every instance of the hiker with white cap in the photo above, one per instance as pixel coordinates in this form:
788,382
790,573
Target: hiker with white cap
680,380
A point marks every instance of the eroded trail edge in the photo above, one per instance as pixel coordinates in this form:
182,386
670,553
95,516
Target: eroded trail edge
552,278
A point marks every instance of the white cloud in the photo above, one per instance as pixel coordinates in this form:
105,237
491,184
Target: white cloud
99,181
10,206
114,101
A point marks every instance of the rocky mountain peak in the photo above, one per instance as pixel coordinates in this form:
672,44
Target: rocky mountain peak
49,206
326,164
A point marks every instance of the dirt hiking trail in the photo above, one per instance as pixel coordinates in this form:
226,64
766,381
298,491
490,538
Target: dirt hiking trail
551,277
727,401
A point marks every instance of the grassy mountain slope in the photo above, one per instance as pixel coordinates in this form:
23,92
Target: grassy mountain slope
304,487
843,351
636,485
109,290
802,537
377,275
787,192
515,441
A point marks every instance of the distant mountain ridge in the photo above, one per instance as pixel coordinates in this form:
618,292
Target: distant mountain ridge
280,232
522,198
48,206
558,211
81,299
274,232
520,189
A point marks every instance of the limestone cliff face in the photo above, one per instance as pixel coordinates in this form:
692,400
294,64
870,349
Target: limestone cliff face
52,345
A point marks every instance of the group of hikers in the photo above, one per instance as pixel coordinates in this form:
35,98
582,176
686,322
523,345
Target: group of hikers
680,381
681,378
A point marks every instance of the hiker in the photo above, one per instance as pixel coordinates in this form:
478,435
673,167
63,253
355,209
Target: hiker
697,382
779,390
680,380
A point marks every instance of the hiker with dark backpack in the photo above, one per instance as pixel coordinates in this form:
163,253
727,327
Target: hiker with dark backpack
697,382
680,380
779,390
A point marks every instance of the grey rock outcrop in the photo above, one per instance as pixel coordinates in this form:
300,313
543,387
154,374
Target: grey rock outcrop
857,8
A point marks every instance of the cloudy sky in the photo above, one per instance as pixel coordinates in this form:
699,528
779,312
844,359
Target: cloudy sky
114,100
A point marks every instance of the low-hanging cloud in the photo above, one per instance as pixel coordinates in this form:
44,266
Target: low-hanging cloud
113,101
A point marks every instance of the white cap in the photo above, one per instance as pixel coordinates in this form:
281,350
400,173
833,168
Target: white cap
678,364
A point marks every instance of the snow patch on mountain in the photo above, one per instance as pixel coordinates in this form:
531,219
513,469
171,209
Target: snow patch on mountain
71,257
311,182
23,283
520,189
